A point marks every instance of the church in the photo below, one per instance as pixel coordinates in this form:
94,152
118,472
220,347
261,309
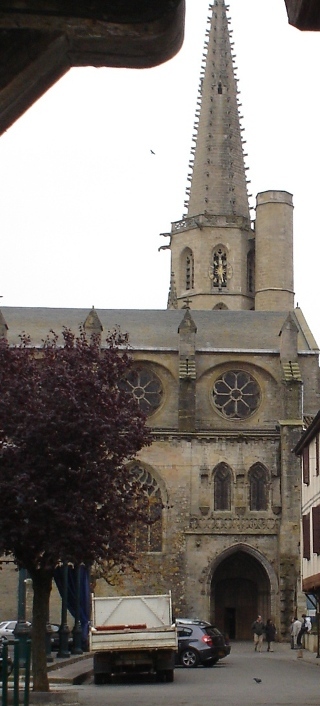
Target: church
226,374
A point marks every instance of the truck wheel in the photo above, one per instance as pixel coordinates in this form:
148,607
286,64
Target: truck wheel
189,658
165,675
169,675
98,678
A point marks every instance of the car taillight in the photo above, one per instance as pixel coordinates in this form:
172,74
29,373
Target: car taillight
207,640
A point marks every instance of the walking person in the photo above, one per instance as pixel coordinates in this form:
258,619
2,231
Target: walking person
296,627
291,633
305,627
258,629
270,634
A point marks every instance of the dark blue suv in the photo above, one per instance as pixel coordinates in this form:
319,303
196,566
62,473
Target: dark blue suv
200,642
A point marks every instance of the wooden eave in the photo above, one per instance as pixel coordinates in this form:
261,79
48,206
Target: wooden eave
308,435
304,14
40,40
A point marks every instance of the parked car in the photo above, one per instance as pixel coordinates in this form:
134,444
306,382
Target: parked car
9,660
55,637
199,642
7,628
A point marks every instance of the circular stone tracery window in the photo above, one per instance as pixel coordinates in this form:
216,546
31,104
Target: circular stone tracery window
236,395
146,387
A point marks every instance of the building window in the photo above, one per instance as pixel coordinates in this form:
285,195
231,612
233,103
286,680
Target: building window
221,306
251,272
317,454
189,270
306,536
316,529
236,395
258,488
222,487
147,535
305,465
218,269
146,387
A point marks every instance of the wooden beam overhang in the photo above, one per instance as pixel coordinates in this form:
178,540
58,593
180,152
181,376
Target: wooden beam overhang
304,14
40,40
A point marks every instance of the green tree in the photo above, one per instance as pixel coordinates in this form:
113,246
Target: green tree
67,431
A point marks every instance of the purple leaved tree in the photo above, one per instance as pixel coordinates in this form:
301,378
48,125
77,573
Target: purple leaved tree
67,431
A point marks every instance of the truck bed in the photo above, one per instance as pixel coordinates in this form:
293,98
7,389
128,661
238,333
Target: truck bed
128,639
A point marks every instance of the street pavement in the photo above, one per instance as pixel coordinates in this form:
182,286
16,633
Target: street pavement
244,678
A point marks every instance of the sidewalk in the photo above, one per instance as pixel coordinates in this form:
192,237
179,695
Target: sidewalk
300,655
283,651
73,670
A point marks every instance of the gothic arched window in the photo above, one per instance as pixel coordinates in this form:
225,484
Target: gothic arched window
258,479
147,535
222,487
146,387
189,270
236,395
251,272
221,306
218,269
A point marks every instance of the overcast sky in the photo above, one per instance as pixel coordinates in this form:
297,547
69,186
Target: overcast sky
83,200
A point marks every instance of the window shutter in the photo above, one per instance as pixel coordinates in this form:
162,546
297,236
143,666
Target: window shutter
306,535
305,462
316,529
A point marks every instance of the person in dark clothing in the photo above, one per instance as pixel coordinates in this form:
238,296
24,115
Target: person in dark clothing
258,629
270,634
305,627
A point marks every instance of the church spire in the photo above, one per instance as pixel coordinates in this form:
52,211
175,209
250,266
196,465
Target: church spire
212,247
217,170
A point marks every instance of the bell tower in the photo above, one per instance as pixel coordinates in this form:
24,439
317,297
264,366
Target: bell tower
212,246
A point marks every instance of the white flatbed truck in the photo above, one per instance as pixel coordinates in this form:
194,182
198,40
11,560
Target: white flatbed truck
133,634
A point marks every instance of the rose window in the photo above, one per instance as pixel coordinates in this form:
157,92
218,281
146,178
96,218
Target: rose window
236,395
146,387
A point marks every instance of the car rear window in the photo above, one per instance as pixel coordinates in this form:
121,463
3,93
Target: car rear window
184,632
212,631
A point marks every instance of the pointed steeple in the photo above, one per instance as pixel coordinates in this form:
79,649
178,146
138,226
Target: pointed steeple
217,170
92,323
172,296
212,246
3,326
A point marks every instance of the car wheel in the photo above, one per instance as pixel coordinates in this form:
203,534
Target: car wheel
189,658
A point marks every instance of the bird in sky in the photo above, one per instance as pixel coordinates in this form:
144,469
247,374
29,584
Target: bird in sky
152,152
257,680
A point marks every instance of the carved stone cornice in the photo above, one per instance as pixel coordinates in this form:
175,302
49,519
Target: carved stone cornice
233,525
209,221
207,436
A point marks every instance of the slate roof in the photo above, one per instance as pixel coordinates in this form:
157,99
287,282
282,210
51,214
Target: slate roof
151,329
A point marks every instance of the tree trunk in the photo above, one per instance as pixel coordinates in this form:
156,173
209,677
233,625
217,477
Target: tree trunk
42,582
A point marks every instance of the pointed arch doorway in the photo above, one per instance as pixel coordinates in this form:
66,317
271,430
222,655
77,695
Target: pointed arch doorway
240,590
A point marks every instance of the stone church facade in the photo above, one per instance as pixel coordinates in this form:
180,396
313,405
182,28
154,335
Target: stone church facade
226,375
